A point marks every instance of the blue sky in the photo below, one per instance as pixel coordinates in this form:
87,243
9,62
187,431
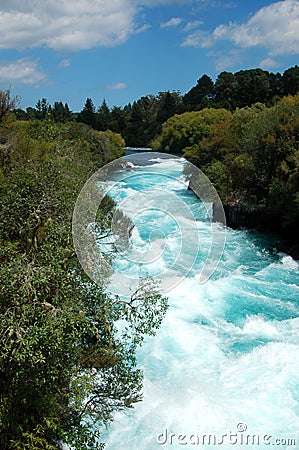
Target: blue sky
120,50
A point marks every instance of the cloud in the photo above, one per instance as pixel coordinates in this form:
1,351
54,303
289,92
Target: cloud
192,25
174,22
198,38
116,86
65,25
165,2
268,63
153,3
143,28
21,71
226,61
274,27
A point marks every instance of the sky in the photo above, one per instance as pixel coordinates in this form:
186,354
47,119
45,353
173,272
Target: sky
121,50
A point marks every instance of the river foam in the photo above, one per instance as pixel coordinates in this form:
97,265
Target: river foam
225,360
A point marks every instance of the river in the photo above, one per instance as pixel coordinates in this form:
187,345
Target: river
222,371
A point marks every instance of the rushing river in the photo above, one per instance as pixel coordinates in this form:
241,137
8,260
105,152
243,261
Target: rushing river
222,371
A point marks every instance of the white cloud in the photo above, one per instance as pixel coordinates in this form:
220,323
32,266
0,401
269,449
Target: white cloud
164,2
143,28
226,61
268,63
65,24
21,71
198,38
201,3
116,86
192,25
68,25
174,22
274,27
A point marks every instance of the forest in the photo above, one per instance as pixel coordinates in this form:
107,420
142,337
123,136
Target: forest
63,364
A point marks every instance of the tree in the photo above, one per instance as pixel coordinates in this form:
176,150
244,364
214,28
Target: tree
276,85
219,174
61,112
135,127
269,136
188,133
31,113
252,86
225,86
118,120
199,96
103,117
290,81
43,108
7,104
88,114
169,105
149,105
20,114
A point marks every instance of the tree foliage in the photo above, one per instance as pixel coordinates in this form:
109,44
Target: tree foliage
187,133
65,364
7,104
200,95
250,154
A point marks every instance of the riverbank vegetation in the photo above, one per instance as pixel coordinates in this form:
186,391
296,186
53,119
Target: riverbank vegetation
65,368
251,155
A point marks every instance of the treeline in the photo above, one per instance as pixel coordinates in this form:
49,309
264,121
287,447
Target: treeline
142,120
251,155
65,367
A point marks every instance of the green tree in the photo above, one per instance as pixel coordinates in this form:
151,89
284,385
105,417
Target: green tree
189,134
118,120
169,105
290,81
276,85
7,104
115,143
43,108
135,128
225,86
219,174
20,114
88,114
252,86
103,117
151,126
269,135
31,113
200,95
61,112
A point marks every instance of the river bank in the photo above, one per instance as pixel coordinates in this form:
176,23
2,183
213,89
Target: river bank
244,215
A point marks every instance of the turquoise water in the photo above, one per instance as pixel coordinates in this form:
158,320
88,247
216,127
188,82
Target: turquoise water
225,361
